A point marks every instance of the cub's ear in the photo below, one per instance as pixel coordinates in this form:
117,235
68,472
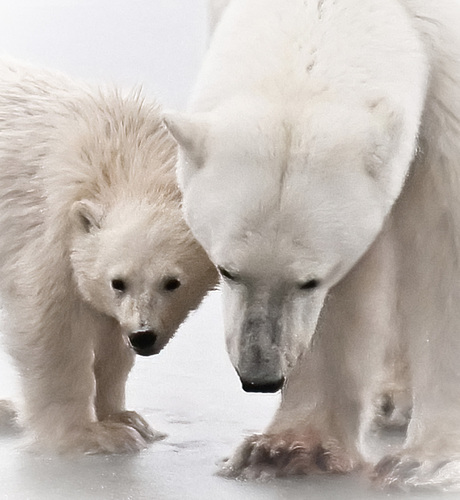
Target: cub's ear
190,133
87,215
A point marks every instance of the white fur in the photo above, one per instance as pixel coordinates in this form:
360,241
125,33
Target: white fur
87,195
323,143
215,10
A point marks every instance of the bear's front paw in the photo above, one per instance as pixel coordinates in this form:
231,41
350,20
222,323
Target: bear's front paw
409,473
276,455
137,422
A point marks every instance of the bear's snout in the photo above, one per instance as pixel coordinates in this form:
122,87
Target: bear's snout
270,386
143,342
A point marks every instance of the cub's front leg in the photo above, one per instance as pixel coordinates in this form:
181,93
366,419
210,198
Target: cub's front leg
114,359
55,354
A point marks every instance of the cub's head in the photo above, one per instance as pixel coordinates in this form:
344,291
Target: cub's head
137,262
285,203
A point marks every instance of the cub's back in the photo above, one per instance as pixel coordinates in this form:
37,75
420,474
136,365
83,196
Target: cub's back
32,103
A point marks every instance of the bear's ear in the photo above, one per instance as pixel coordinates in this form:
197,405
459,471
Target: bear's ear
87,215
190,133
386,115
388,134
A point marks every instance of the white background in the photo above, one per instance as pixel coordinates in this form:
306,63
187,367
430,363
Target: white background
190,390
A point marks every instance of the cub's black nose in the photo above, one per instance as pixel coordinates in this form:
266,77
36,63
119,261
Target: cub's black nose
269,386
143,342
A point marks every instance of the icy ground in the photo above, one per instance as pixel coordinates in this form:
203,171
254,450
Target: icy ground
190,390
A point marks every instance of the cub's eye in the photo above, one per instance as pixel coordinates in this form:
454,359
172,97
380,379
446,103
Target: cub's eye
118,284
172,284
226,274
310,285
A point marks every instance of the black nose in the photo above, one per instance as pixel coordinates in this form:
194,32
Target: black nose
271,386
143,342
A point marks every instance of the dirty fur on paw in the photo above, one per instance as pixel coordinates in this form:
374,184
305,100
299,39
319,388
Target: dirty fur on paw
267,456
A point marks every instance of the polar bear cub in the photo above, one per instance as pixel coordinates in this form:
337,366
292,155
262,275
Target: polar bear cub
96,262
320,170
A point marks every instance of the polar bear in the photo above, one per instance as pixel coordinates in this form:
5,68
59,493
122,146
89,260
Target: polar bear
320,170
96,261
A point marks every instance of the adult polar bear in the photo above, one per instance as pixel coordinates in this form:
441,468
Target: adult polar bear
94,250
319,166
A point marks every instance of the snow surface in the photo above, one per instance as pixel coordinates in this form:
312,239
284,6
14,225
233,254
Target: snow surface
190,390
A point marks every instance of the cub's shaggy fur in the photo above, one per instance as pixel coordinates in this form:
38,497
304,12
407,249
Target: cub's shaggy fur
93,252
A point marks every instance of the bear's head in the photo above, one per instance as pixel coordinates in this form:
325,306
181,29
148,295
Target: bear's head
137,262
285,202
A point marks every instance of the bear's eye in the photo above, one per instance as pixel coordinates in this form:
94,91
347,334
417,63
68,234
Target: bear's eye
227,274
118,284
172,284
310,284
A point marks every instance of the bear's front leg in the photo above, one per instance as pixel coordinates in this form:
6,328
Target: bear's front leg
430,458
430,322
315,430
114,359
327,405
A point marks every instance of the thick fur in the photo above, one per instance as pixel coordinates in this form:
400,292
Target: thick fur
215,10
87,195
320,169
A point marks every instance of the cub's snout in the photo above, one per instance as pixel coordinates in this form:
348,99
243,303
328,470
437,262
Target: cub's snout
143,342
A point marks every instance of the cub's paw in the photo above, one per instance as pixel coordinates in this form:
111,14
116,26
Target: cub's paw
106,437
138,423
277,455
407,473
